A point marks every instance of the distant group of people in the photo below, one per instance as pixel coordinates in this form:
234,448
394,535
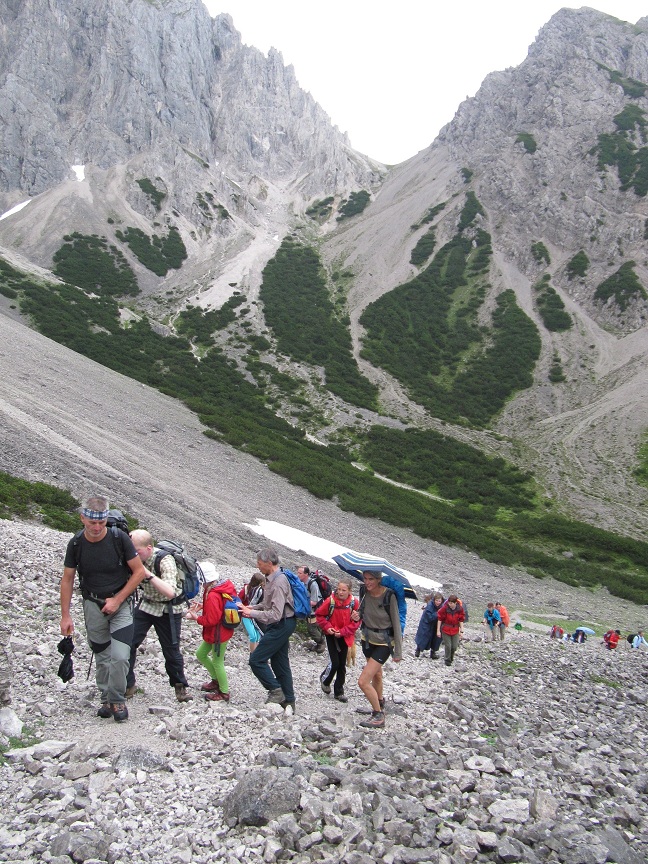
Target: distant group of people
441,623
112,565
611,639
496,618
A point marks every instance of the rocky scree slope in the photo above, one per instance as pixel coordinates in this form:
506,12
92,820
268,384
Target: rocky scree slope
523,751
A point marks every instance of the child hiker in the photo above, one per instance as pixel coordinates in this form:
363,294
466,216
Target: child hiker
211,652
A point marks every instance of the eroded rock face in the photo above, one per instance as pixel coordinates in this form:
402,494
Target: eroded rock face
99,82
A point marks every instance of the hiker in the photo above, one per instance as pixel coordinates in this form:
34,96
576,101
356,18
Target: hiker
492,619
579,637
567,637
109,571
250,595
426,635
381,638
638,640
450,621
334,619
276,614
611,639
316,598
211,651
505,619
155,610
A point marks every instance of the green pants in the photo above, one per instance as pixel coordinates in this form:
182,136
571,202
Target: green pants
212,657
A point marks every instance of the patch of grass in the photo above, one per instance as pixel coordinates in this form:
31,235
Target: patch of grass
510,667
600,679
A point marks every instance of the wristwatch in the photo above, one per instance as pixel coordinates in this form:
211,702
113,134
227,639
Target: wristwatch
147,578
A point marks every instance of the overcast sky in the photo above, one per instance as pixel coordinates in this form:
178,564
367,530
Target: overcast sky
393,76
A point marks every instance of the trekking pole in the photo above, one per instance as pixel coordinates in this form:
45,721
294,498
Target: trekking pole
90,666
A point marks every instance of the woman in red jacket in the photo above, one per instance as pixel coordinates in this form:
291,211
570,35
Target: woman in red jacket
333,617
450,618
211,651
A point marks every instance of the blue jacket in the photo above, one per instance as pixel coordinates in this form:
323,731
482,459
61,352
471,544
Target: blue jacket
427,627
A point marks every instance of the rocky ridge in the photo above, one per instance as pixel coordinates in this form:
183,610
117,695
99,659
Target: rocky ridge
524,751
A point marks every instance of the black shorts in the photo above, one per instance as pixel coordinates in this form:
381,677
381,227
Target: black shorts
379,653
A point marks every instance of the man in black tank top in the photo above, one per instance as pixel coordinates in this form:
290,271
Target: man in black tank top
109,572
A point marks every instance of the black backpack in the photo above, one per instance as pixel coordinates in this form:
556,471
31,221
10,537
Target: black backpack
116,519
323,583
631,637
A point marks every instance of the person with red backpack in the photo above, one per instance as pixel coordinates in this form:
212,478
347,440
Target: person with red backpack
333,616
611,639
450,621
211,651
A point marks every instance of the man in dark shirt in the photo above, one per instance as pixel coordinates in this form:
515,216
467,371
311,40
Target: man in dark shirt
109,572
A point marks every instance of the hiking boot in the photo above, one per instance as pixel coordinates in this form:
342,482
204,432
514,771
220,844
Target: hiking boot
182,694
130,691
211,686
104,710
376,721
417,653
341,697
370,710
275,696
119,711
434,655
321,648
326,688
286,704
217,697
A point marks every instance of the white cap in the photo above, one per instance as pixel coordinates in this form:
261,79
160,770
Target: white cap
209,571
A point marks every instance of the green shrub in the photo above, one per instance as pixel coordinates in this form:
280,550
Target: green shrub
89,263
528,140
551,307
578,265
631,87
424,248
540,253
300,312
354,204
157,254
470,210
198,325
156,195
623,286
55,507
467,174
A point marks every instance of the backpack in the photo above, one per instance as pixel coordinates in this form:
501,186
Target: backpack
399,590
116,519
323,583
301,600
631,637
231,614
187,568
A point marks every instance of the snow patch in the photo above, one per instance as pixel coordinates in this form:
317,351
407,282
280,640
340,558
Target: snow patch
318,547
15,209
79,170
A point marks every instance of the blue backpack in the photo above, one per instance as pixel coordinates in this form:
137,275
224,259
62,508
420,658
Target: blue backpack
301,600
398,589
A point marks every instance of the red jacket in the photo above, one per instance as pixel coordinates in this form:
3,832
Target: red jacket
339,618
212,614
450,620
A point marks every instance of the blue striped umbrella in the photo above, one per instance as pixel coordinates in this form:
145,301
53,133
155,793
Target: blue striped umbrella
355,564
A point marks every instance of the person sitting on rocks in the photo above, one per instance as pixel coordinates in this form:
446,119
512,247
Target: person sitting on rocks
426,638
155,610
211,651
450,621
334,619
381,638
638,640
493,620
